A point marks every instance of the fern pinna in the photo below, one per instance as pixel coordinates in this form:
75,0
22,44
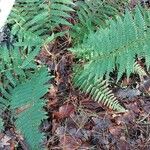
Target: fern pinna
23,84
114,46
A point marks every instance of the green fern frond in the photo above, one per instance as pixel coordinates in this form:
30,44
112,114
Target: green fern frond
98,90
15,62
22,85
1,124
115,46
33,21
93,14
27,97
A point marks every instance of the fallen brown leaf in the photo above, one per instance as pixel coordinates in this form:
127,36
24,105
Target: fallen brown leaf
64,111
69,143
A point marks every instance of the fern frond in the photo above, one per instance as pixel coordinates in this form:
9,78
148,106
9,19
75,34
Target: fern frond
26,97
91,15
98,90
1,124
33,21
115,46
15,62
22,86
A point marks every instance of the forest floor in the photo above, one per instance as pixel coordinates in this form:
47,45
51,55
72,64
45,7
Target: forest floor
76,122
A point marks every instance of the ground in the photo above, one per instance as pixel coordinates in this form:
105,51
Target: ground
75,121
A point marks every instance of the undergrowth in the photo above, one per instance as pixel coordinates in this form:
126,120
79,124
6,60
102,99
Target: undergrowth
23,83
105,39
94,14
115,46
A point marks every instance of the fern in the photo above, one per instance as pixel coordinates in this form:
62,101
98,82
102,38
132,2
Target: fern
139,70
22,87
27,98
115,46
119,43
16,62
33,21
22,82
93,14
99,91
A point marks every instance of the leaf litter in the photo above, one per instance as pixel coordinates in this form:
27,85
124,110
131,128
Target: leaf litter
79,123
76,122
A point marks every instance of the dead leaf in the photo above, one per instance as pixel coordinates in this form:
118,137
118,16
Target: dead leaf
115,130
5,141
127,118
64,111
122,144
68,142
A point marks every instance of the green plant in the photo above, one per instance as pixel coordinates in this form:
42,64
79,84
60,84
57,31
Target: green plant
26,97
99,91
139,70
92,15
22,83
34,21
113,47
22,86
